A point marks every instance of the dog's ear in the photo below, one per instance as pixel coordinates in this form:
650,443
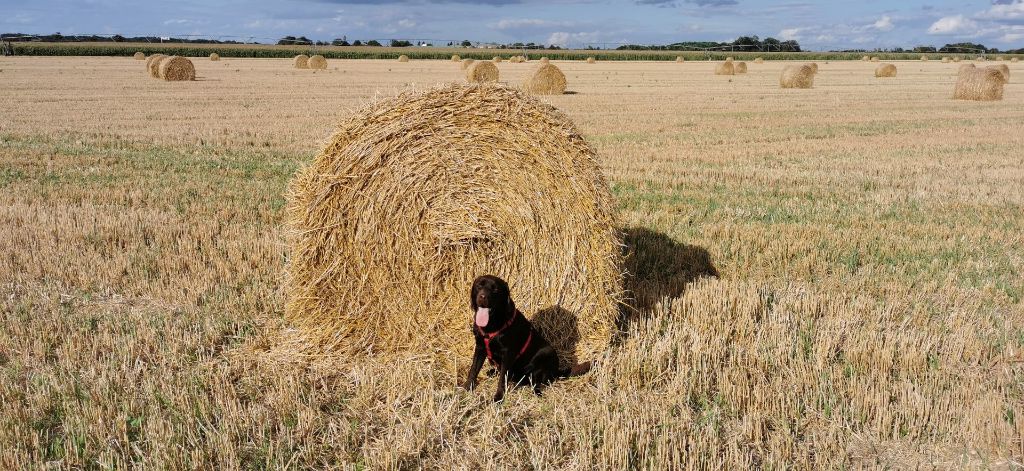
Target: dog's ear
472,296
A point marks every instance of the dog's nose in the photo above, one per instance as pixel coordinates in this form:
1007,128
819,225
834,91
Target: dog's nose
481,300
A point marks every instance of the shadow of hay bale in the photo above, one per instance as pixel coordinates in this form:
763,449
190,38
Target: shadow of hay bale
657,267
561,329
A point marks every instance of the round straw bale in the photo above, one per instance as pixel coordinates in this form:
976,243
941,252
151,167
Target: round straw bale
417,195
979,59
466,63
544,60
814,66
403,58
317,62
214,56
874,59
865,58
957,59
964,67
728,59
725,68
153,65
177,69
456,58
924,58
1003,69
739,67
680,59
1015,59
1000,58
301,61
496,59
885,70
546,79
797,76
482,72
945,60
979,84
759,60
591,60
139,56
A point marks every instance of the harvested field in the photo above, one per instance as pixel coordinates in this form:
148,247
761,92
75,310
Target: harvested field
868,308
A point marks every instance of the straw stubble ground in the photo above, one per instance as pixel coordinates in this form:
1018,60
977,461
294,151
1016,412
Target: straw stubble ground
868,310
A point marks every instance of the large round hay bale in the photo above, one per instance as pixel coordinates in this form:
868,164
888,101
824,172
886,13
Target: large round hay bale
591,60
1003,69
403,58
725,68
466,63
482,72
759,60
153,65
317,62
797,76
739,67
885,70
177,69
416,195
139,56
456,58
214,56
301,61
546,79
979,84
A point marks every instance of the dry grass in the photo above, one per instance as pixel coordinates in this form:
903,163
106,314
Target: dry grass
546,79
885,70
317,62
867,312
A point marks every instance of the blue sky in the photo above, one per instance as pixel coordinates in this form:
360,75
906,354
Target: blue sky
816,25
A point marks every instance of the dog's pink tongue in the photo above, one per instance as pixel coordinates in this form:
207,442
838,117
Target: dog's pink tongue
483,314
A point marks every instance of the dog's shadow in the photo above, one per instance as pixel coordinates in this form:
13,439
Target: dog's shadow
657,268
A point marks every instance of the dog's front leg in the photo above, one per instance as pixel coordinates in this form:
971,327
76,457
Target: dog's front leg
479,354
502,379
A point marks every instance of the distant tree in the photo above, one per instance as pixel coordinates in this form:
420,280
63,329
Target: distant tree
286,41
339,42
748,43
399,43
924,49
373,42
963,47
357,43
117,38
466,43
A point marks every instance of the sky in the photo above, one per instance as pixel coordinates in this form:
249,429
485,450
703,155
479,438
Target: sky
817,25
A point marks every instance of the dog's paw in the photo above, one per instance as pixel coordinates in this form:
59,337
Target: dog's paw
498,398
469,385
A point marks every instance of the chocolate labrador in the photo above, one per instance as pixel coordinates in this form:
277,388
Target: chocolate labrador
505,337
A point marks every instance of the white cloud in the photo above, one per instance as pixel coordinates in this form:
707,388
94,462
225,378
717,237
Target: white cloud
958,24
1004,11
564,38
884,24
790,33
406,23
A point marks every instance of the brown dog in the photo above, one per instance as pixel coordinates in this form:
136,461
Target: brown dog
509,341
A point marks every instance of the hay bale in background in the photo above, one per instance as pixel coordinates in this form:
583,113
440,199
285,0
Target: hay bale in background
979,84
153,65
945,60
456,58
725,68
496,59
301,61
214,56
964,67
544,60
739,67
1003,69
728,59
1015,59
482,72
317,62
885,70
680,59
466,63
865,58
759,60
979,59
924,58
403,58
391,166
956,59
177,69
591,60
874,59
546,79
139,56
1000,58
797,76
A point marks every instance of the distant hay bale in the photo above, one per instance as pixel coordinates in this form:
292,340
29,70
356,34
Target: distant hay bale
797,76
979,59
214,56
945,60
875,59
979,84
153,65
403,58
1015,59
544,60
814,66
482,72
924,58
865,58
177,69
317,62
728,59
759,60
301,61
591,60
1000,58
957,59
386,232
739,67
139,56
456,58
496,59
725,68
885,70
466,63
546,79
1003,69
680,59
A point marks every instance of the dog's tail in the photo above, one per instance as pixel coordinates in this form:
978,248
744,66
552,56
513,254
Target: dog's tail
579,369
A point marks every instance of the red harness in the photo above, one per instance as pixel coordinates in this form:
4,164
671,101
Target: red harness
488,336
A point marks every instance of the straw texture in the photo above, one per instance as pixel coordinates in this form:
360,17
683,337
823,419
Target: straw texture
725,68
482,72
979,84
301,61
416,195
153,65
177,69
317,62
797,76
546,79
139,56
885,70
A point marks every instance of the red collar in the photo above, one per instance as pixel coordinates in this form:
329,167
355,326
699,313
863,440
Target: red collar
490,336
